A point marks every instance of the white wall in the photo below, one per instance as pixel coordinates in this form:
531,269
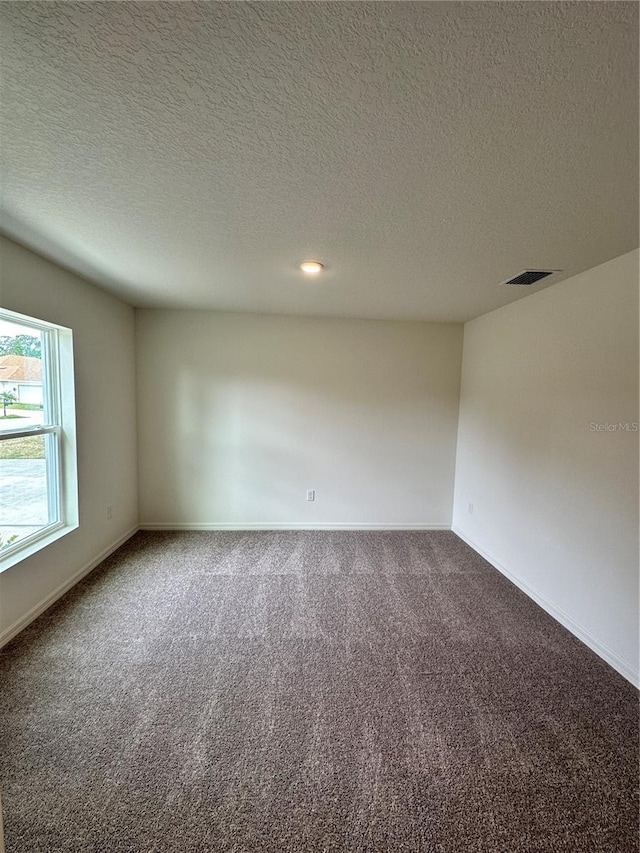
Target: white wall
240,414
555,503
104,338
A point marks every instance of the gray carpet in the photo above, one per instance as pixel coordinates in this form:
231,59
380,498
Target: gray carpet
311,692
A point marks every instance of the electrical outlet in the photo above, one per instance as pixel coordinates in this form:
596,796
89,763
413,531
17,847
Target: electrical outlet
109,513
311,494
470,510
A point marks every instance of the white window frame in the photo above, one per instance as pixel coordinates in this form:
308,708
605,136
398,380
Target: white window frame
59,431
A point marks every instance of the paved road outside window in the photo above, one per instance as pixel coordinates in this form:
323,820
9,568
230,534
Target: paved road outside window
23,496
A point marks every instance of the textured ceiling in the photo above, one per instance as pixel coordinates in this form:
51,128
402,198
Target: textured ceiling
191,154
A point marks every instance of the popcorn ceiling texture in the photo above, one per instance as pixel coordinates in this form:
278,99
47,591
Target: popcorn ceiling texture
191,154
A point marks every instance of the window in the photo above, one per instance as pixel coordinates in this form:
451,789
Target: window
38,477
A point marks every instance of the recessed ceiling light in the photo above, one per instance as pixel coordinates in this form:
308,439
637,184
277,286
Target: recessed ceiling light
311,267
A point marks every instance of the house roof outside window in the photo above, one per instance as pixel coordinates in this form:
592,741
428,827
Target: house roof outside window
20,368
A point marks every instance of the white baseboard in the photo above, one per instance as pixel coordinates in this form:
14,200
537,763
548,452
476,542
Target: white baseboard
10,632
294,525
625,669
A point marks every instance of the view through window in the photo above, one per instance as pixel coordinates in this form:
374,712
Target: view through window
32,503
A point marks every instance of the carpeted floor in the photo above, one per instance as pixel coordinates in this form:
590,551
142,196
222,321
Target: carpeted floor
310,691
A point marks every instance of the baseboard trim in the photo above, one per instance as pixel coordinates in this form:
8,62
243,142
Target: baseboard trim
295,525
12,631
625,669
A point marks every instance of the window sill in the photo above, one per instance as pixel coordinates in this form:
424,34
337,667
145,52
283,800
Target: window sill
14,554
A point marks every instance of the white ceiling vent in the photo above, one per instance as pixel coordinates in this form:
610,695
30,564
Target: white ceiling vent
529,276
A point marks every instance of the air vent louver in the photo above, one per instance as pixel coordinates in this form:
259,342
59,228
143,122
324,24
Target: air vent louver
529,276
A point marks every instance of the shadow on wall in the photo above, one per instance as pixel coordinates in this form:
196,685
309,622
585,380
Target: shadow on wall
245,443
